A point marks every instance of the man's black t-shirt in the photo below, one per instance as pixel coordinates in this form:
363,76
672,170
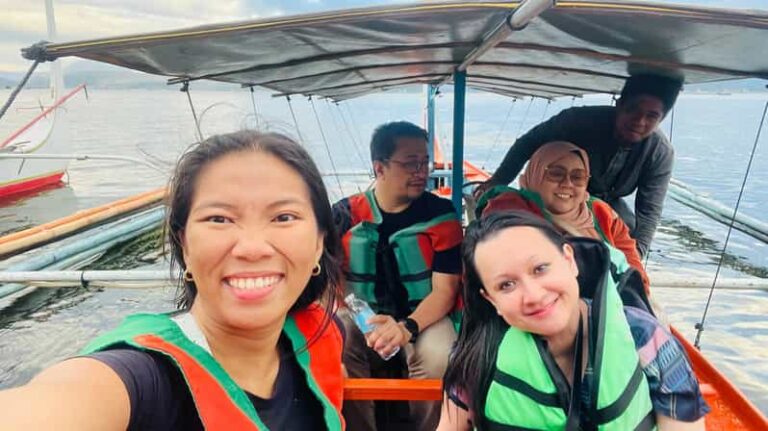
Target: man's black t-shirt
391,295
160,398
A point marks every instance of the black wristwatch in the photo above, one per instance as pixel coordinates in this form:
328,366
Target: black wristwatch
412,327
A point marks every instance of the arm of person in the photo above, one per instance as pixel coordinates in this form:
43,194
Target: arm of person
453,417
664,423
649,199
555,128
674,389
624,242
77,394
389,334
440,302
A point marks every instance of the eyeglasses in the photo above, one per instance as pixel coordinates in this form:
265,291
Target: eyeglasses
557,174
412,166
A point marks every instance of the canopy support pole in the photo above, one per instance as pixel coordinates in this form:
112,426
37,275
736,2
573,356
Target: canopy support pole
431,138
459,99
431,94
515,20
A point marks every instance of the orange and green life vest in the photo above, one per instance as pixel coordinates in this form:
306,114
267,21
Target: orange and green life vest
221,404
603,216
414,248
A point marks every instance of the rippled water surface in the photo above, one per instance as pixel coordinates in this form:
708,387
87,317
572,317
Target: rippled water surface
712,135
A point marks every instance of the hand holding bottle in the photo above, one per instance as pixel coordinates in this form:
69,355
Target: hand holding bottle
376,328
389,335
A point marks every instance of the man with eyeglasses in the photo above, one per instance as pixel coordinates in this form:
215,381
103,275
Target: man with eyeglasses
402,256
627,151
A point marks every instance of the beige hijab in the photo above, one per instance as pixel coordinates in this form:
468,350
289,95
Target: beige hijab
578,221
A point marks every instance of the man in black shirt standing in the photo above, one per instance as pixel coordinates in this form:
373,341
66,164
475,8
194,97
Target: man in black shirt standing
627,151
402,256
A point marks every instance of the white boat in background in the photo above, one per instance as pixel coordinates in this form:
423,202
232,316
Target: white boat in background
43,134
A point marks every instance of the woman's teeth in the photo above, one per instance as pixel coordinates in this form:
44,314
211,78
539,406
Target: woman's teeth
563,195
253,283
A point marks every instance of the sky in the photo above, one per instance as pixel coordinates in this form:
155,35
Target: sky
22,22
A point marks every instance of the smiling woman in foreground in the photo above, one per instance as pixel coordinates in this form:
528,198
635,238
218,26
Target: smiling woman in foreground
254,346
541,347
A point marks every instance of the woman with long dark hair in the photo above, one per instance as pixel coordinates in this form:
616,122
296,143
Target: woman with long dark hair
546,342
253,345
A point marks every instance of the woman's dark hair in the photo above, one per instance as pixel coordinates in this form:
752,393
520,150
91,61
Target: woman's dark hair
323,287
473,359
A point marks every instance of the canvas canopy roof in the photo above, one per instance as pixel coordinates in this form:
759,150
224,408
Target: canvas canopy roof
574,48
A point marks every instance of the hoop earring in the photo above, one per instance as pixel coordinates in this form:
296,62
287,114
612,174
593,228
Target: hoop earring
188,276
316,270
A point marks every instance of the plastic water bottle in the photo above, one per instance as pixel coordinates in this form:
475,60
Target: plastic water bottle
361,312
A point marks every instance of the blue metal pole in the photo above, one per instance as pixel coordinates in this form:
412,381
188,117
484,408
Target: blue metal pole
459,97
431,91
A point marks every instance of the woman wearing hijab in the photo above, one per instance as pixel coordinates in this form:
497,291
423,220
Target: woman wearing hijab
554,185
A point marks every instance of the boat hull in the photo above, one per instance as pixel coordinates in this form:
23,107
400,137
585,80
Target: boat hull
46,133
21,186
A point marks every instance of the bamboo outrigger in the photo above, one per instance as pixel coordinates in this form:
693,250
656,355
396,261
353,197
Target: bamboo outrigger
531,48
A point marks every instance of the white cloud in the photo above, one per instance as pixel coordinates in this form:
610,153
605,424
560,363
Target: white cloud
23,22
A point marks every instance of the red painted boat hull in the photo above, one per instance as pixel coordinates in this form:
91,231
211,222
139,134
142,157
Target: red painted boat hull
28,185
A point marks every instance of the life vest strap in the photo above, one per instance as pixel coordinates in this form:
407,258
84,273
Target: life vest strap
515,384
648,423
615,409
495,426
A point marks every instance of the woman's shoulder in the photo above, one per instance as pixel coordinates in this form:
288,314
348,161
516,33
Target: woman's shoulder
156,389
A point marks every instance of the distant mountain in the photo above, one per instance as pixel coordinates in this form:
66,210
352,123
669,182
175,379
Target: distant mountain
102,75
99,75
740,86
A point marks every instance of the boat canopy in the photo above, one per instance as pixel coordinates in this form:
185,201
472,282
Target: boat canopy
571,49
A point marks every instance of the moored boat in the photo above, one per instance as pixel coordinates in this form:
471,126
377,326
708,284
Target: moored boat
43,134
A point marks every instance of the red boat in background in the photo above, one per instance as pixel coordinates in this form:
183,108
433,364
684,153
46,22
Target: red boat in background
43,134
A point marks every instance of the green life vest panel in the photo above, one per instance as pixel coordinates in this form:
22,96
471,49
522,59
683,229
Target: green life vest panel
529,392
413,247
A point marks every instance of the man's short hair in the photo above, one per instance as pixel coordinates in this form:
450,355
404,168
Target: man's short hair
664,88
384,140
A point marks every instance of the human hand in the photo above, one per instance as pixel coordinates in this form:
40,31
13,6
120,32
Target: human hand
388,335
481,189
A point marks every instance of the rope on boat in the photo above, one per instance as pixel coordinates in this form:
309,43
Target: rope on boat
341,139
18,88
546,108
354,142
185,89
525,117
671,130
295,123
498,135
357,130
255,111
327,149
700,326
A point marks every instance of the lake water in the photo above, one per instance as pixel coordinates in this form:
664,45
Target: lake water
712,135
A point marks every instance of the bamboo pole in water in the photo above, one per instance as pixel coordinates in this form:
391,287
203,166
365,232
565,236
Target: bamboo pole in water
159,278
49,231
682,193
